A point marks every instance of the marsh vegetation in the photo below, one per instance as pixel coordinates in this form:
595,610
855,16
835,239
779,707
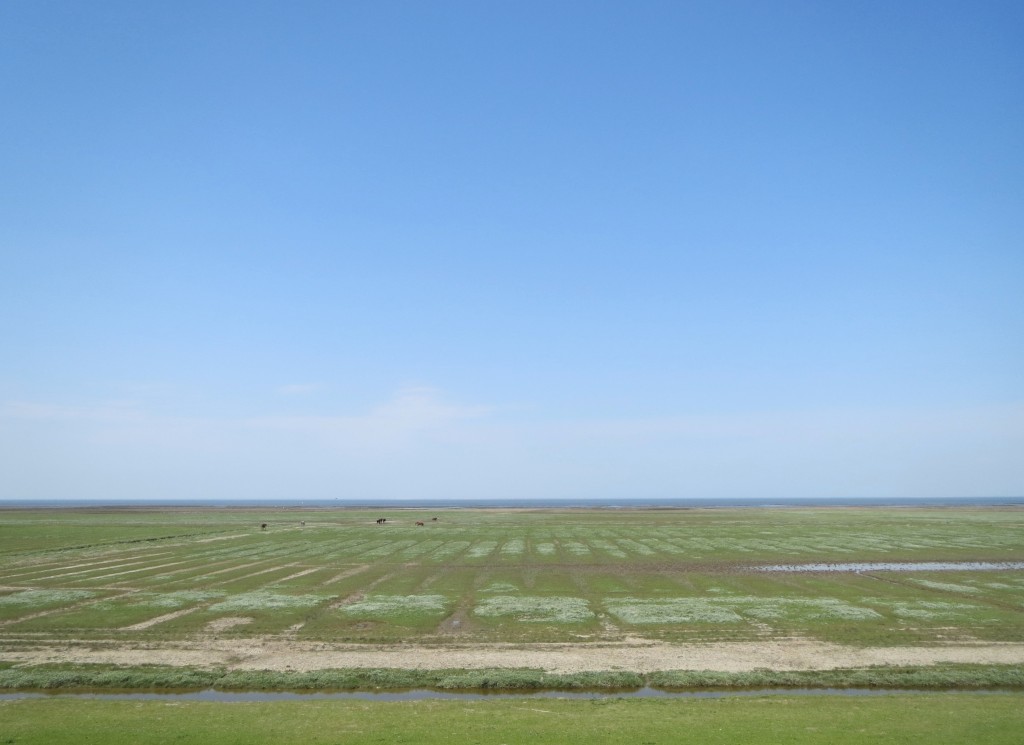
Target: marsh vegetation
509,576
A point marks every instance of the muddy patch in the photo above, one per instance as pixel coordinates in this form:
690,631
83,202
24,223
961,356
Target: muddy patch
223,624
456,624
633,654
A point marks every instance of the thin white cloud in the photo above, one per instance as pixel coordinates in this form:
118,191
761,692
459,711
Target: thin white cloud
112,411
300,389
420,441
411,411
417,408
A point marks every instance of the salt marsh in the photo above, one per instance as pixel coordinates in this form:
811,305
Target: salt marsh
860,577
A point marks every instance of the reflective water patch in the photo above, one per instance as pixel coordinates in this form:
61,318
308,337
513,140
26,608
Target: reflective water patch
895,566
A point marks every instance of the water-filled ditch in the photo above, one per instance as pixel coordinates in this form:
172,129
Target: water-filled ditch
889,566
229,697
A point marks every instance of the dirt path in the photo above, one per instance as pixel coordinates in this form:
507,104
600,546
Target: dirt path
635,655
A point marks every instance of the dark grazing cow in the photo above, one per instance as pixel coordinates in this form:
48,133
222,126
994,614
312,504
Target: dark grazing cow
381,520
263,526
420,523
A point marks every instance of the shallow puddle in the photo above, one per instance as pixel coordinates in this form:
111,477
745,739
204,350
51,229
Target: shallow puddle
887,566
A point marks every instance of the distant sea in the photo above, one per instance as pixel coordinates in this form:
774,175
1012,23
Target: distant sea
611,504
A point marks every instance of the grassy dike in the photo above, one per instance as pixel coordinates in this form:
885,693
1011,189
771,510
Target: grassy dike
936,719
165,678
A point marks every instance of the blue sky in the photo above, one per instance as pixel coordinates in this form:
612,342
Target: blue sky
501,249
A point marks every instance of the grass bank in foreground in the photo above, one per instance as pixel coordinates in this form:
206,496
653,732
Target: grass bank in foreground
938,719
151,678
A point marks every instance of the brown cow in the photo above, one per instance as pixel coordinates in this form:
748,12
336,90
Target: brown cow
420,523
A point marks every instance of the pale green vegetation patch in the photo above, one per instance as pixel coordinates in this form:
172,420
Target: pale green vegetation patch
636,547
395,605
732,609
176,599
535,608
929,610
267,600
946,586
46,597
503,587
481,549
609,548
449,549
514,547
677,610
809,608
545,549
168,600
387,549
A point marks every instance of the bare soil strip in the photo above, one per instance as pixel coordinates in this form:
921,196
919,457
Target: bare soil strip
346,573
303,573
232,568
160,619
228,622
276,568
142,569
92,565
635,655
93,568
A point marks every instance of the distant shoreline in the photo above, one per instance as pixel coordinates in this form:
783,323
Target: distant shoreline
609,504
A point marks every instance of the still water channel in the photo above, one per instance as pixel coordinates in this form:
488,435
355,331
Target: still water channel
888,566
211,695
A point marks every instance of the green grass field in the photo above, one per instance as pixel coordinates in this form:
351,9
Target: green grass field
507,576
936,719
